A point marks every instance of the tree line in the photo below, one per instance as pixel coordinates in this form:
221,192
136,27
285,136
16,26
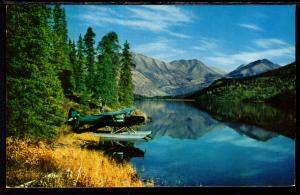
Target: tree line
102,72
44,66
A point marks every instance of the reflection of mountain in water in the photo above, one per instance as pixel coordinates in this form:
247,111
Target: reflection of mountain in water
177,119
253,114
186,121
252,131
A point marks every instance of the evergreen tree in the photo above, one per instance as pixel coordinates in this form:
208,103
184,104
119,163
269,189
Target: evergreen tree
110,45
82,68
74,65
60,39
61,51
105,89
125,82
90,58
107,69
34,95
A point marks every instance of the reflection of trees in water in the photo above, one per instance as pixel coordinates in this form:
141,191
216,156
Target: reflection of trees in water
119,150
257,114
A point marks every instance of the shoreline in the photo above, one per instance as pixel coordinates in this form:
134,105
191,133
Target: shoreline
68,162
166,99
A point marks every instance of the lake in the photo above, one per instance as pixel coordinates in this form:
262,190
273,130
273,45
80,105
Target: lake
193,148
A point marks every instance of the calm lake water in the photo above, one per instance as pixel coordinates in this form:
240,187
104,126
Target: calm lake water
191,148
225,145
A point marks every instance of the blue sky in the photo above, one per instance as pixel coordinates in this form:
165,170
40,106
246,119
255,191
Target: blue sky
224,36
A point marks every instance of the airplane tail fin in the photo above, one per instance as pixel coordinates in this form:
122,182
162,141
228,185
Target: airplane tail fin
72,115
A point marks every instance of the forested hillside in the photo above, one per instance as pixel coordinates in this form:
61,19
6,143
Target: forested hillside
276,86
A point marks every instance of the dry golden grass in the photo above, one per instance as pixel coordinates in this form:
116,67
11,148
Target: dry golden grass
73,166
26,152
75,139
93,169
26,161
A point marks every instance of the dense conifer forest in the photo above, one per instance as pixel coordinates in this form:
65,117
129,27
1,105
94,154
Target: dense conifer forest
45,67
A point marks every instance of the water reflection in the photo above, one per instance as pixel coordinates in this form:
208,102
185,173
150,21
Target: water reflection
177,120
225,145
119,150
226,148
253,132
243,116
186,121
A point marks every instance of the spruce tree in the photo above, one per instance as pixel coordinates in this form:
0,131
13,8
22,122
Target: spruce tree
107,69
105,89
90,58
60,39
74,65
112,48
125,82
60,56
34,94
82,68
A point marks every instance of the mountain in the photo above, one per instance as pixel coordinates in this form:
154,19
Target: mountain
252,68
277,86
156,78
218,70
194,70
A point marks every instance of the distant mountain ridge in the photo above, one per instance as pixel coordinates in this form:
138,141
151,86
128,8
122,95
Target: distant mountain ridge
156,78
193,69
253,68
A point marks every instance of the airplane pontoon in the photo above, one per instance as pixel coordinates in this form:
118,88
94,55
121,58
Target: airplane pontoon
118,124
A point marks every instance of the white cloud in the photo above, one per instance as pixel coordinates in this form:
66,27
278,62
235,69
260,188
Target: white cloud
155,18
162,49
206,44
232,60
166,13
178,35
98,9
260,15
247,142
251,56
251,27
222,138
151,47
267,43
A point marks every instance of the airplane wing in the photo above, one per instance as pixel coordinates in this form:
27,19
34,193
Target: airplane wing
124,111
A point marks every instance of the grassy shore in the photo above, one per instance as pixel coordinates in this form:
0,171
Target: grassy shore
65,163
